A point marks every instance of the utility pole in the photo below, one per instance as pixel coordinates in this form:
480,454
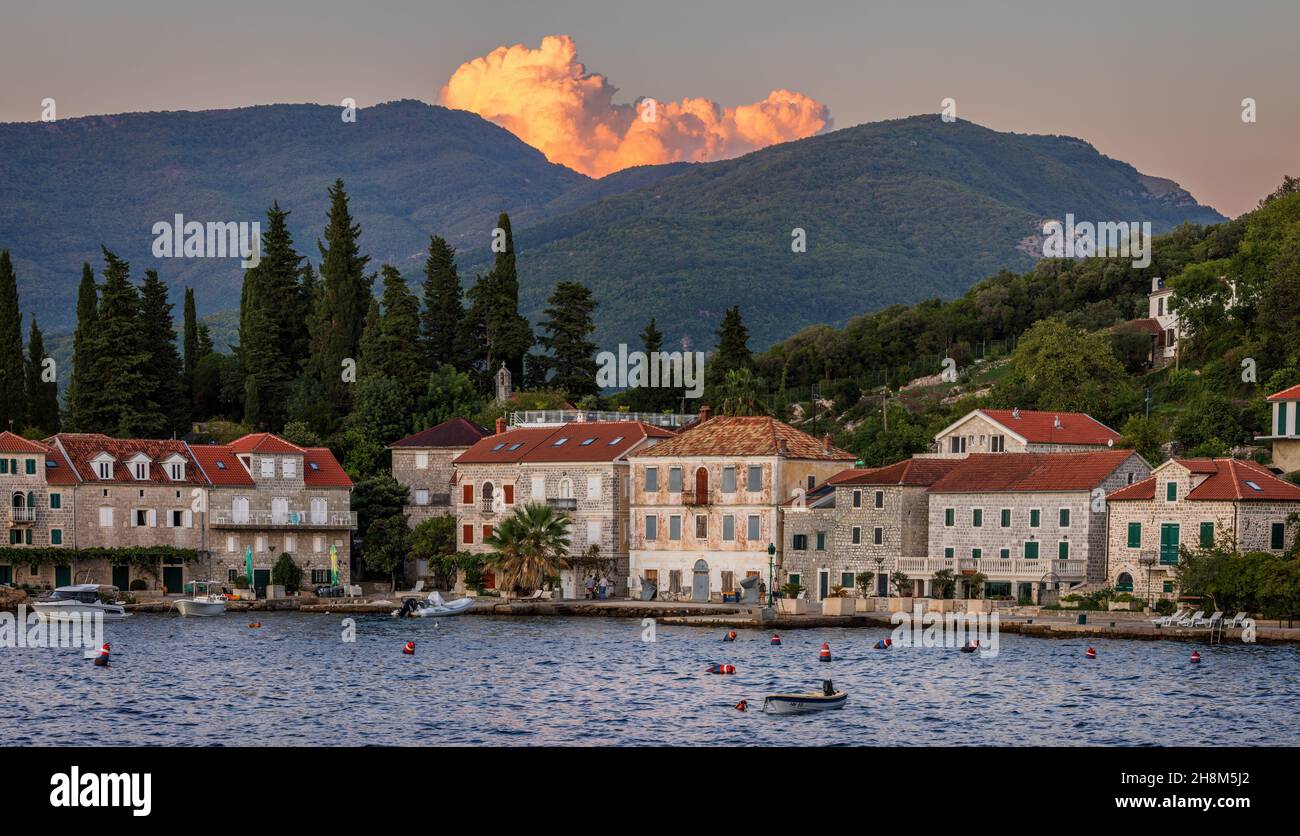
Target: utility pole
884,406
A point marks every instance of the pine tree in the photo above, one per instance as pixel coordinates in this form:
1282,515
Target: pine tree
567,336
42,395
507,336
205,341
444,311
13,374
190,332
733,351
162,390
82,393
115,358
400,356
272,325
343,301
370,363
646,398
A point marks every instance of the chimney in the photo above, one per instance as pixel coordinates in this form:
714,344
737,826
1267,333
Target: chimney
501,425
705,412
1015,413
1157,283
1056,423
826,442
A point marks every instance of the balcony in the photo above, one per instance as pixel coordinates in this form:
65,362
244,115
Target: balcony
560,417
21,515
690,497
563,504
995,568
266,520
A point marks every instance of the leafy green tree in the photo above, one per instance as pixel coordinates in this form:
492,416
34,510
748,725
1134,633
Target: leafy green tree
1056,367
434,541
13,377
528,547
377,497
42,396
286,573
1147,436
381,416
567,331
447,394
386,546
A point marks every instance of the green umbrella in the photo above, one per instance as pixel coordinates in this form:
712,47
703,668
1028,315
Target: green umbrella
248,566
334,565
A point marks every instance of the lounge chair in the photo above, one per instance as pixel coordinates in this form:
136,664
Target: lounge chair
1208,622
1237,620
1172,620
1191,622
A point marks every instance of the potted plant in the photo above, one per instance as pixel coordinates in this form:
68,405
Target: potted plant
902,584
790,603
865,602
839,603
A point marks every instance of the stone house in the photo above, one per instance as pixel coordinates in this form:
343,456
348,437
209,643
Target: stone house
1284,424
1023,431
1029,522
38,501
860,520
707,504
1194,503
579,469
423,463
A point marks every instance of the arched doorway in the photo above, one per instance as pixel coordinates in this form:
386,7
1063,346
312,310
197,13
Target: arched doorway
702,485
700,582
1124,583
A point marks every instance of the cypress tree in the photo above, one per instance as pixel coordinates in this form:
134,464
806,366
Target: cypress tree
81,394
400,356
444,311
272,325
343,301
567,332
205,341
645,398
13,374
495,300
162,387
116,358
733,351
370,363
190,331
42,395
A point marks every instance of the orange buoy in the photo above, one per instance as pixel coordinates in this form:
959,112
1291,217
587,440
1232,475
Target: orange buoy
825,654
1091,653
776,639
254,624
102,659
743,705
409,650
1196,656
730,637
884,644
970,647
724,669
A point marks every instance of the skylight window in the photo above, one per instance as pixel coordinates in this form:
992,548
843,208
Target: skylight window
587,441
616,440
1253,486
498,447
221,465
560,442
314,466
516,445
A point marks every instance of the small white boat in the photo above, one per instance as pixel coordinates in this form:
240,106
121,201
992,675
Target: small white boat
432,607
77,601
823,700
204,602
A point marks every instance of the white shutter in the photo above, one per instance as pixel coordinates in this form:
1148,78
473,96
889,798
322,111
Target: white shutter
422,461
105,517
539,488
167,519
189,518
593,487
593,532
153,517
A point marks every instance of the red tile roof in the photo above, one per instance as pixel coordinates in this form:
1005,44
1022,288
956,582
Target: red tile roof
263,443
1030,472
747,436
1226,480
11,443
321,470
57,469
922,471
1040,427
609,440
1286,394
82,448
455,432
221,465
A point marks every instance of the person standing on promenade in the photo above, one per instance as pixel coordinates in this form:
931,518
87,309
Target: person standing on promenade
591,587
604,586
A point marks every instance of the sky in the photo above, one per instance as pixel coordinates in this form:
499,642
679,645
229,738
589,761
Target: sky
1157,83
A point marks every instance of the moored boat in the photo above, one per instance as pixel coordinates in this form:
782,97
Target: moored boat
826,698
432,607
80,600
204,601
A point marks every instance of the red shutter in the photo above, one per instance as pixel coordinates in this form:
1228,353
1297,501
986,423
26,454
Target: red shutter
467,533
467,495
510,494
487,532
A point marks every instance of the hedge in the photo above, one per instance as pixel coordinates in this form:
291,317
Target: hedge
146,557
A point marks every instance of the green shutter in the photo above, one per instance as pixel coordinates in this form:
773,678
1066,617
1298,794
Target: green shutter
1171,491
949,515
56,500
1063,551
947,553
1169,586
1169,536
1031,549
976,554
56,537
1005,554
1035,516
1065,518
1006,517
1281,419
1277,536
1135,535
31,466
1207,534
977,517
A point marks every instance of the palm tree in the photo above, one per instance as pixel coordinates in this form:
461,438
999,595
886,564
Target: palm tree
530,547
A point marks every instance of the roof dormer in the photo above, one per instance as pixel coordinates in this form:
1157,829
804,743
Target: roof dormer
174,467
138,467
103,464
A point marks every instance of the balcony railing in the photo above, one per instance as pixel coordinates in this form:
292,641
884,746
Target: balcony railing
563,504
690,497
996,568
289,519
22,514
485,505
559,417
436,500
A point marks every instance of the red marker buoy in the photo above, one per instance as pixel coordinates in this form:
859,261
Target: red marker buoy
1196,656
884,644
409,650
730,637
724,669
102,659
825,654
1091,653
776,639
743,705
253,625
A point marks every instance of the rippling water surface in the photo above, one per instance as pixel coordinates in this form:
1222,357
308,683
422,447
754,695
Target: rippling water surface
593,681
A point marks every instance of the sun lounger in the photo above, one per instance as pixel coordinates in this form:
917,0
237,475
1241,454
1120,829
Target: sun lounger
1191,622
1208,622
1237,620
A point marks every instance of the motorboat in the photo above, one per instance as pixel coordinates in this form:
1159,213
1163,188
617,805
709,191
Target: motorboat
823,700
207,600
78,601
432,607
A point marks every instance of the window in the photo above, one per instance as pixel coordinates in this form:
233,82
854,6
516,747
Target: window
1004,519
30,467
15,535
56,501
1169,540
177,471
1171,491
754,478
586,442
729,527
977,517
651,528
321,576
1124,583
615,440
559,442
538,488
880,499
1135,535
593,487
1063,518
1207,534
857,499
260,545
878,535
466,534
231,545
487,532
948,553
949,516
1063,550
651,479
1005,554
1281,418
508,494
290,543
821,541
1031,550
1168,586
422,459
318,543
467,494
976,554
795,578
701,527
421,496
812,483
268,467
799,543
729,479
56,537
751,530
846,580
593,531
290,468
1277,535
1035,517
140,470
232,575
319,511
857,535
957,444
997,443
104,469
675,479
675,527
177,519
105,517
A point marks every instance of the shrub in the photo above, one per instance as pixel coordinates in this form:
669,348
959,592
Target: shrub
1165,606
286,573
138,584
241,582
791,590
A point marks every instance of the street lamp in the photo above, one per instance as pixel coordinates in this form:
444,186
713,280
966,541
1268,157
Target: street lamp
771,571
1148,559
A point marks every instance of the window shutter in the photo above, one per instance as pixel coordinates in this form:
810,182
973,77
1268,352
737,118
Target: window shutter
153,517
467,497
509,491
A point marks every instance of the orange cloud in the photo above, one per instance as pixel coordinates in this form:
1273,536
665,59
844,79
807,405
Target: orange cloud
546,97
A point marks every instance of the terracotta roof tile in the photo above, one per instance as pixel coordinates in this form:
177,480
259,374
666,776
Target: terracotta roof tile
1226,480
221,465
82,448
57,469
1290,394
13,443
1040,427
747,436
922,471
321,470
455,432
263,443
1030,472
608,441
